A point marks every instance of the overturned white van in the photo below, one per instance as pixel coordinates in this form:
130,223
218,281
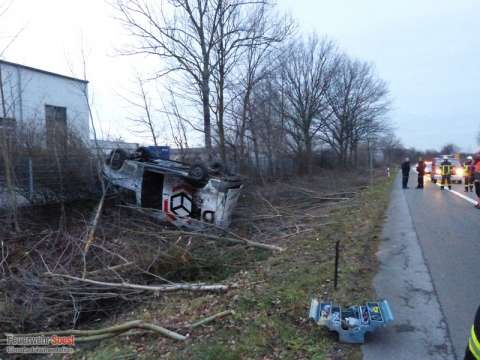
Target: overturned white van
182,194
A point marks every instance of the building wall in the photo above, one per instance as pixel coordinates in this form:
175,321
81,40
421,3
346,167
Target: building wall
106,146
27,92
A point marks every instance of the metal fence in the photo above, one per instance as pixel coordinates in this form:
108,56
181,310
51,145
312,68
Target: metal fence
40,179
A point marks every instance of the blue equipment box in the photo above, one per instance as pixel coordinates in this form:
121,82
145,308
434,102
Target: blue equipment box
353,322
155,152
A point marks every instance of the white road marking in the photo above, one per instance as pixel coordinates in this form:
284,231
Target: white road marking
470,200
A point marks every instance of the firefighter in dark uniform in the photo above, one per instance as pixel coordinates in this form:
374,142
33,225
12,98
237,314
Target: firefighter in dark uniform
446,171
468,169
473,348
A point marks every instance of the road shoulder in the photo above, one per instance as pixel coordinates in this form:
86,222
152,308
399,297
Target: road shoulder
419,330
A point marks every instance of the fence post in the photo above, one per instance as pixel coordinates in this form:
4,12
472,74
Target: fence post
335,277
30,178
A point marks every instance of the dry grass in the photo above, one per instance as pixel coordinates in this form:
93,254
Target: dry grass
274,292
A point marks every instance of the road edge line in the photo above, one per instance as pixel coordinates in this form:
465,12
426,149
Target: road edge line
470,200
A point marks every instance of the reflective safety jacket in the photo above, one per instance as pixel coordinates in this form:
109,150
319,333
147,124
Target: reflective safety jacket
473,349
468,169
446,168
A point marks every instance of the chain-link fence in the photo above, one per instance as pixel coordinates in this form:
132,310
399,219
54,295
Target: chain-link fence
44,178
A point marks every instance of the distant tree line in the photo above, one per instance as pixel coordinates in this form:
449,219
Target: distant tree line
399,152
268,98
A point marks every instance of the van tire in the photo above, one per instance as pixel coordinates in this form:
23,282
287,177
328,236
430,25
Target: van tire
198,174
116,158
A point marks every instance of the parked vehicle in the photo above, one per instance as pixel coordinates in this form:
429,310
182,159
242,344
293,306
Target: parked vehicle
428,167
457,170
183,194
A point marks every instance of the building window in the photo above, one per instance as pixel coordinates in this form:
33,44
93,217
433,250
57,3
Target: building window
56,123
8,127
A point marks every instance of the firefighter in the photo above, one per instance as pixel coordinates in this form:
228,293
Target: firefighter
468,170
446,171
476,178
473,348
421,172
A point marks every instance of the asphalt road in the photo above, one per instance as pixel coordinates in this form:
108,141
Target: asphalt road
448,230
419,330
430,273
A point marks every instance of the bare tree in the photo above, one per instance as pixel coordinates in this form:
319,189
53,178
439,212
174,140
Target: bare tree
247,30
218,53
255,64
392,148
181,32
450,149
334,100
143,120
266,124
307,71
357,102
177,123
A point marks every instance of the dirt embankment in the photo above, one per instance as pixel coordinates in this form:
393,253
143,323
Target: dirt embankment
268,291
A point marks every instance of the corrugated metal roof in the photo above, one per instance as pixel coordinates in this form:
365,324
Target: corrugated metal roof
42,71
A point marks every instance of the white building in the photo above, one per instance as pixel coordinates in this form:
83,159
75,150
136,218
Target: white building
48,102
108,145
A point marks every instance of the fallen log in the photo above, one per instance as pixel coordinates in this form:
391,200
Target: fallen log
190,326
236,241
111,268
157,288
211,318
325,198
293,234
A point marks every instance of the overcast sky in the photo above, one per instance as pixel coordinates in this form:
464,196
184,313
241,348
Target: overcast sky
427,50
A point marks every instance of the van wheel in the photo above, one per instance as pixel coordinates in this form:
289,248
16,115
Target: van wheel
217,167
198,174
116,158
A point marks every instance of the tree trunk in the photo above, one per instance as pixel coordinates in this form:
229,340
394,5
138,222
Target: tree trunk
308,154
243,126
221,88
255,146
206,111
221,129
221,111
355,154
